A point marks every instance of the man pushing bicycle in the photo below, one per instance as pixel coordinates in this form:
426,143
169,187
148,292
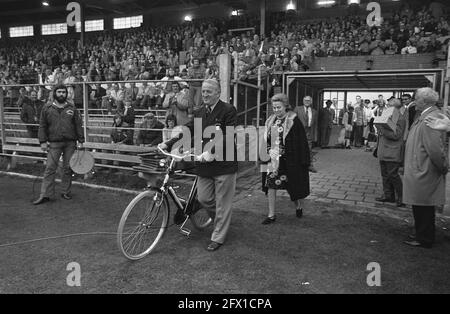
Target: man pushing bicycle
216,173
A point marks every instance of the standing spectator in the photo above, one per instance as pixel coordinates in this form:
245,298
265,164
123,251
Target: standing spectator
426,165
177,103
166,84
308,118
368,112
287,146
360,122
390,155
78,90
349,120
197,71
31,113
97,95
326,124
60,127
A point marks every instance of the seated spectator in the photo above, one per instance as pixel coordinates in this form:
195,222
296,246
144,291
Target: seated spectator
131,94
151,131
172,129
118,134
128,119
177,103
147,95
409,49
113,99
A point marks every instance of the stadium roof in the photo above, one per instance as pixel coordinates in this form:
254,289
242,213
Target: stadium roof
370,80
26,11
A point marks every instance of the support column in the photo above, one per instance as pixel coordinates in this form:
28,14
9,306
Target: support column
37,30
83,26
263,18
108,23
224,76
2,118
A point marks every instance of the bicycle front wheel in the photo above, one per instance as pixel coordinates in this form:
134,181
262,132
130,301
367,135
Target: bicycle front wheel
143,223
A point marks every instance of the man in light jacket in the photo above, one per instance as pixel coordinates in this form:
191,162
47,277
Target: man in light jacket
390,155
426,165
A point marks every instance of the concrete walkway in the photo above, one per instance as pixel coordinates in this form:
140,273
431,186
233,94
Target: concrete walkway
347,177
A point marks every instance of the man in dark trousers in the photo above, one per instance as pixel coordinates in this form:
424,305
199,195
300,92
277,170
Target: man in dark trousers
30,113
59,130
426,166
390,155
308,117
216,173
326,124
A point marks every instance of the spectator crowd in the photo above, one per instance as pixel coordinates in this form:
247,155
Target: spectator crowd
189,52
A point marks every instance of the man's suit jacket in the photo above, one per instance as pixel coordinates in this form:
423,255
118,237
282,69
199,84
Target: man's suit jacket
222,116
301,114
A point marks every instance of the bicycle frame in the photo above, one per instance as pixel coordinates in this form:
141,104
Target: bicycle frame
166,189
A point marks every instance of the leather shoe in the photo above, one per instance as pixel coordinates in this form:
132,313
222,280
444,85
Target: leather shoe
412,237
416,243
299,212
385,200
400,204
213,246
312,169
41,200
66,196
269,220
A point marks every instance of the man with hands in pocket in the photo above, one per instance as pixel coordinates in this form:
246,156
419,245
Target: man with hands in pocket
60,129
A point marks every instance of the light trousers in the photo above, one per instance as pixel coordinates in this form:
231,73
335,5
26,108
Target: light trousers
216,196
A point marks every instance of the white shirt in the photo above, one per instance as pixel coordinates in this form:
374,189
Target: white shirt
308,112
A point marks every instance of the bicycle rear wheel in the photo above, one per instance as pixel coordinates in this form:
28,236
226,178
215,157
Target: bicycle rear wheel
143,223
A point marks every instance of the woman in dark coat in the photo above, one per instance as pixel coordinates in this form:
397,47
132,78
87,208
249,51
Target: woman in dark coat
288,157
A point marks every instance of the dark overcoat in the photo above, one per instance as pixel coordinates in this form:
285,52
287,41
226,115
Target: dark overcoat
297,156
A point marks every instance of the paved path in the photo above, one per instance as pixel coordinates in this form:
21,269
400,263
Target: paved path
348,177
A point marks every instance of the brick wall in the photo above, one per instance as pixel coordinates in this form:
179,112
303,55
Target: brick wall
383,62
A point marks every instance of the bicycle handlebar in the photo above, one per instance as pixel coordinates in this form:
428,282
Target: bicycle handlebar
177,156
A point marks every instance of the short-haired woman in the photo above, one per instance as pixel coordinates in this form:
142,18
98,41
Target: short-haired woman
171,130
289,161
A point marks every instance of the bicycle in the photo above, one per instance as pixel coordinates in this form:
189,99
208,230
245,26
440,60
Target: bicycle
152,212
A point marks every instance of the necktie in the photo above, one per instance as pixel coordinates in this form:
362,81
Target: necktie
307,117
208,110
